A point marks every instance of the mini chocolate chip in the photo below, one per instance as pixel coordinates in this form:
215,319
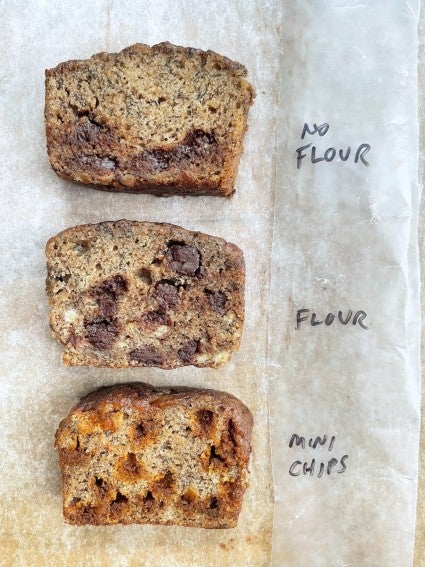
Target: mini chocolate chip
101,486
187,352
87,513
131,465
116,504
205,418
167,481
185,259
167,295
148,500
217,301
146,356
101,333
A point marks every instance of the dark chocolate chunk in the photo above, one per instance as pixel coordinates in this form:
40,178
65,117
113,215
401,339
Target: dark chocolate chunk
167,295
97,163
86,131
185,259
114,286
106,294
147,356
217,301
196,145
187,352
101,333
155,318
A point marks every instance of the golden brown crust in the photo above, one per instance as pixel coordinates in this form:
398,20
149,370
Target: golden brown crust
132,453
129,293
162,119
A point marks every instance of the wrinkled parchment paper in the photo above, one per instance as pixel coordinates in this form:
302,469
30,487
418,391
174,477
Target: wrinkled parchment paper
345,239
419,556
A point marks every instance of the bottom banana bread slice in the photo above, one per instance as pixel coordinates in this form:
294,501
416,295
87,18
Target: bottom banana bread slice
133,453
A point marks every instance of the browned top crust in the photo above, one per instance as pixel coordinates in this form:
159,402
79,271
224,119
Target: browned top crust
162,119
130,393
132,453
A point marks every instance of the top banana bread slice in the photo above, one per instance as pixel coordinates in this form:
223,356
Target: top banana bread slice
162,119
130,293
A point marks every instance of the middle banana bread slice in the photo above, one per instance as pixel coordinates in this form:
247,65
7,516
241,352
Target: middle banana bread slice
130,293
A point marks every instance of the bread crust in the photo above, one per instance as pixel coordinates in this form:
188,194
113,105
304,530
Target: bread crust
101,132
99,490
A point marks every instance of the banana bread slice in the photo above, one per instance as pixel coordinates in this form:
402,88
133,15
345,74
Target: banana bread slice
130,293
132,453
162,119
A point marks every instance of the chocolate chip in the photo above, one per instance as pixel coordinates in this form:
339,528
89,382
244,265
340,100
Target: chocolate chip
148,500
155,318
197,144
119,501
187,499
217,301
201,273
97,163
205,418
102,486
131,465
185,259
166,482
87,514
187,352
101,333
167,295
106,294
157,160
146,356
86,131
114,286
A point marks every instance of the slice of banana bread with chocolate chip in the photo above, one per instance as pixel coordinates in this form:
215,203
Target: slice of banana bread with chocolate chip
162,119
132,293
132,453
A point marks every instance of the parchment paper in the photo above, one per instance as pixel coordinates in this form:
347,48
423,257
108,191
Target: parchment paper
345,238
419,556
36,391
